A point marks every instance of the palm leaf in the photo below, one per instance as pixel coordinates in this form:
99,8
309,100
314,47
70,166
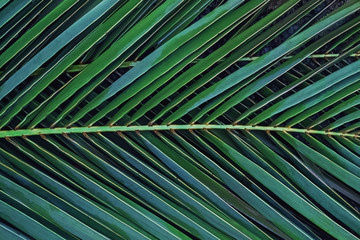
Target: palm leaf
179,119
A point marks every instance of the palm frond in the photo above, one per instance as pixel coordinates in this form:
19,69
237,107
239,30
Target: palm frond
205,119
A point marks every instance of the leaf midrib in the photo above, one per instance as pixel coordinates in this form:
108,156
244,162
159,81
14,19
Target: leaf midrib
93,129
79,67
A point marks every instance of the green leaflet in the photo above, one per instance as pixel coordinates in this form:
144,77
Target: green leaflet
3,3
55,46
11,10
306,209
44,80
337,109
323,161
116,50
34,31
269,77
243,48
352,82
161,53
306,185
263,61
208,61
11,233
48,211
311,90
146,90
28,225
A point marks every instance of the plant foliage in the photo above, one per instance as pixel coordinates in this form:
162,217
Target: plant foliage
179,119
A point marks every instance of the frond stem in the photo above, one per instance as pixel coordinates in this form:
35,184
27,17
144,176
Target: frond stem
92,129
128,64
